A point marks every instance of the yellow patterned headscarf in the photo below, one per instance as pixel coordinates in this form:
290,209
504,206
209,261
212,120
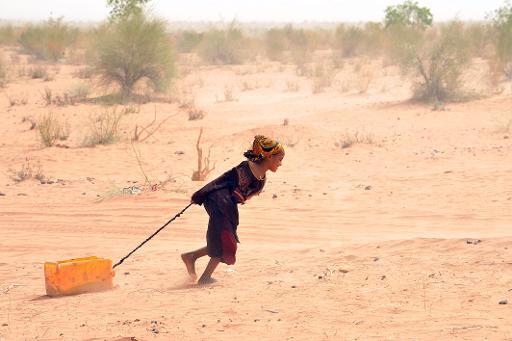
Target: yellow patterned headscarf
263,148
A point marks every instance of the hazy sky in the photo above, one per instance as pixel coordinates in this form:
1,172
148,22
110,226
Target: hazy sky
246,10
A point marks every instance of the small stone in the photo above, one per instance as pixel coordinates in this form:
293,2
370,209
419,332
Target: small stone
375,259
126,273
367,188
505,137
274,196
83,193
2,194
204,325
473,241
22,194
4,324
383,277
505,301
179,152
324,193
293,286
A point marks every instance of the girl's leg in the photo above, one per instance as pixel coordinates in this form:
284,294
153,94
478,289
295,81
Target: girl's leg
190,258
206,277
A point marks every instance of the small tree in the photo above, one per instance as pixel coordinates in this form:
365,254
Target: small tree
408,14
124,8
435,56
132,49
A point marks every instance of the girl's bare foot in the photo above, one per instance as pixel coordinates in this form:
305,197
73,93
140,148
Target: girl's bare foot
206,280
190,263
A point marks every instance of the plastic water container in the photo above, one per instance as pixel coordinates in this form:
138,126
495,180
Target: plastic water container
76,276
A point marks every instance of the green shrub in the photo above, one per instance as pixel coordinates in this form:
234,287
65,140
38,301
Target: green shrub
223,46
8,35
49,40
440,63
436,56
349,40
275,44
38,72
188,41
134,49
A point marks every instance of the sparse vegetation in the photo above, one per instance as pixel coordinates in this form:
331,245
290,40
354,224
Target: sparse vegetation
292,86
228,95
8,35
203,164
103,128
85,73
323,78
39,72
348,140
223,46
142,132
51,129
437,56
3,74
501,21
21,99
146,43
49,40
195,114
77,94
27,171
188,41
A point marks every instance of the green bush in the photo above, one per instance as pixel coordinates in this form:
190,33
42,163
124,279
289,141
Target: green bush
436,56
134,49
223,46
299,44
349,40
275,44
8,35
440,63
48,41
188,41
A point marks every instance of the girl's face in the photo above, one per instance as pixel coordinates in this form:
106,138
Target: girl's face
274,162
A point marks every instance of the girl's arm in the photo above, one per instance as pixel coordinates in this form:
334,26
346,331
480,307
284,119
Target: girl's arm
227,179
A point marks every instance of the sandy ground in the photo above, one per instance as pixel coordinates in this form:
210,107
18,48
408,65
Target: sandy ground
404,238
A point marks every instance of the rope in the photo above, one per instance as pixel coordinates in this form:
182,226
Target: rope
149,238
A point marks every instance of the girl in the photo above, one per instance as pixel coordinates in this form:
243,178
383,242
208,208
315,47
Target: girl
220,198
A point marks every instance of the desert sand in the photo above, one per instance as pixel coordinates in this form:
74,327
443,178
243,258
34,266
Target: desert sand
407,237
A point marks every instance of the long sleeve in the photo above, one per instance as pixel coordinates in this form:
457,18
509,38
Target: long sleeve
226,180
